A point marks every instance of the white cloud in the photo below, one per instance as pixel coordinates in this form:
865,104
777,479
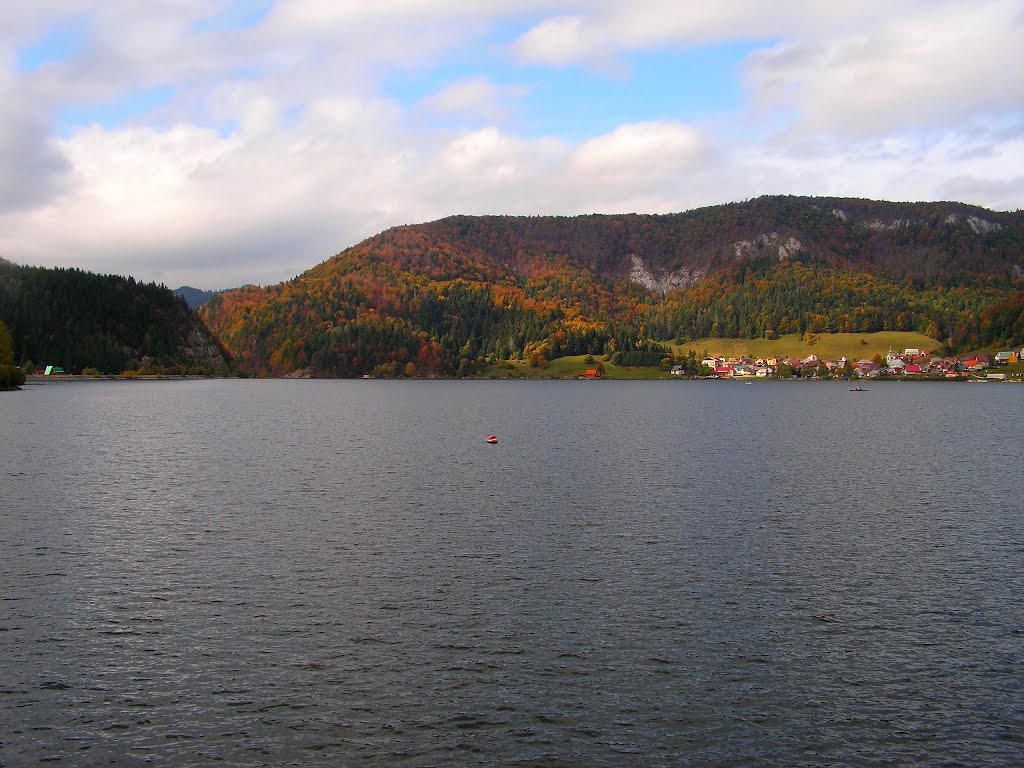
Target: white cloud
186,205
901,75
32,168
639,150
278,148
897,168
486,171
597,30
475,97
148,201
557,41
850,68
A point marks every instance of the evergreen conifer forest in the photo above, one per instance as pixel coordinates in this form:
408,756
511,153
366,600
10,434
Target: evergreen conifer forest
456,296
453,296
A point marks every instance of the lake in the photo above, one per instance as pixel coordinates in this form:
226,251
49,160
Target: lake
637,573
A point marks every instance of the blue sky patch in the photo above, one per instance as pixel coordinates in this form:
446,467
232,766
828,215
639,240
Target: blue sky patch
689,85
116,112
239,14
577,102
61,42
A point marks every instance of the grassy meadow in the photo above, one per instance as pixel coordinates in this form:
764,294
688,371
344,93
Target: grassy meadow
830,346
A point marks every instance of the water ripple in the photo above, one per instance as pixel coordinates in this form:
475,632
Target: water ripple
651,574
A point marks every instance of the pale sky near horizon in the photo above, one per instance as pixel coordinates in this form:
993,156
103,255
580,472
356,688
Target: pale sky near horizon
220,142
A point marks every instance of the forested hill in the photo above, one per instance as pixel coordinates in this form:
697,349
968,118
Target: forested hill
77,320
447,296
917,239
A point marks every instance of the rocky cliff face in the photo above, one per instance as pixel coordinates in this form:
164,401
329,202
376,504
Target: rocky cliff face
664,252
668,281
200,348
770,242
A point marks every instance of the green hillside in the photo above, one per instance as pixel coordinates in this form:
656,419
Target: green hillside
826,346
451,297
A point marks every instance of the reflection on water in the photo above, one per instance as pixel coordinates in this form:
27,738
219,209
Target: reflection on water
674,573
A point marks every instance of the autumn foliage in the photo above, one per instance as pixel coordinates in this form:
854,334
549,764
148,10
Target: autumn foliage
447,297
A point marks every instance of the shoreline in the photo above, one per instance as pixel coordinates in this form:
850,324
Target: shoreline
68,378
38,379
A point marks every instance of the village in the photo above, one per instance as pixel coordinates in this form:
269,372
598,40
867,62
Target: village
911,363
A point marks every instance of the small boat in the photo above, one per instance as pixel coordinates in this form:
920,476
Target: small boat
492,439
857,389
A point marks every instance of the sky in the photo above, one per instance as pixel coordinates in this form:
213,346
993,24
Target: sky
219,142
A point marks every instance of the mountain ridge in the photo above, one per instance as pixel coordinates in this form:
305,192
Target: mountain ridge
706,238
195,297
445,297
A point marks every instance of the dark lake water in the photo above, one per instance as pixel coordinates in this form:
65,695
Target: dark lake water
638,574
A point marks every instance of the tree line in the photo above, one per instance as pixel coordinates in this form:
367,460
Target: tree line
78,319
454,296
344,321
11,376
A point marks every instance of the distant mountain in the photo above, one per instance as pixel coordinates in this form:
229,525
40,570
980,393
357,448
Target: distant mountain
443,297
195,297
78,320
